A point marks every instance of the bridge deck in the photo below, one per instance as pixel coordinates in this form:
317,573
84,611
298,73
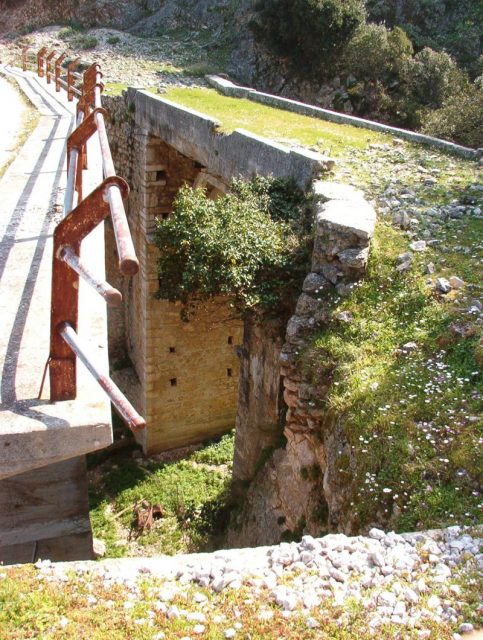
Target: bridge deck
33,432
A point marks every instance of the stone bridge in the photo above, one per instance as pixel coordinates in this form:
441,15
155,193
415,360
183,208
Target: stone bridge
182,376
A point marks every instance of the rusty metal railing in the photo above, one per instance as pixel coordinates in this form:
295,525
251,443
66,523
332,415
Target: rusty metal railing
81,216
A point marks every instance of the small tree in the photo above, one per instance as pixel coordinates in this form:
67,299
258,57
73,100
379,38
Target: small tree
434,76
460,119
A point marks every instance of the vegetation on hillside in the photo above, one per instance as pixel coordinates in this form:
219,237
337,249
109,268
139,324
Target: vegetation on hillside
310,31
454,26
385,75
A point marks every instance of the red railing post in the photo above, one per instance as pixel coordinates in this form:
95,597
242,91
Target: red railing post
49,65
91,86
65,284
70,78
40,62
58,64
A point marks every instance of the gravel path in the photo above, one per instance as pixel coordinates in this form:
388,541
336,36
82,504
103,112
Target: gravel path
412,581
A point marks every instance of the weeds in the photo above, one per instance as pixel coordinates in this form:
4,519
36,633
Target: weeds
193,495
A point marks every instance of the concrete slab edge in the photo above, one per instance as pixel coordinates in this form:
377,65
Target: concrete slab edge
239,153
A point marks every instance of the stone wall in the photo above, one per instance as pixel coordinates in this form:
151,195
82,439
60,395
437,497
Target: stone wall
182,376
298,487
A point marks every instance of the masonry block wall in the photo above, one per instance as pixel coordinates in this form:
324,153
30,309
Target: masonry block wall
182,375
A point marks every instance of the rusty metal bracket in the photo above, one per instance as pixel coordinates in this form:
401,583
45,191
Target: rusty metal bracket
65,285
70,78
120,402
84,131
77,140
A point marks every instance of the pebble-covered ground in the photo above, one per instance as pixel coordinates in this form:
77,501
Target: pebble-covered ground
422,585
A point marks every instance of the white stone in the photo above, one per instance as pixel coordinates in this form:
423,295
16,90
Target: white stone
386,598
418,245
433,602
411,595
173,612
196,616
466,627
400,608
377,534
443,285
377,559
312,623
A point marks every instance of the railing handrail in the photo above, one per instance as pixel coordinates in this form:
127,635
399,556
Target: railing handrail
78,222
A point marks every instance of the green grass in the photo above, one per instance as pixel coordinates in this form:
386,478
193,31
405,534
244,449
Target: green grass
192,494
279,125
411,419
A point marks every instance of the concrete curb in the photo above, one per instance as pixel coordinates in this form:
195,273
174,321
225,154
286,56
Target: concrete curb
228,88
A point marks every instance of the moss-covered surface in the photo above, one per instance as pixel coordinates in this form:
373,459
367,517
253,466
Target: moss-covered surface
191,493
277,124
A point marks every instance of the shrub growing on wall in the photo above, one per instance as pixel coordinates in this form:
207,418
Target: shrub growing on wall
311,31
248,245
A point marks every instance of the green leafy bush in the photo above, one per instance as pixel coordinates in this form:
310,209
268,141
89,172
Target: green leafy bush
460,118
309,30
391,84
377,53
85,41
247,245
434,76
